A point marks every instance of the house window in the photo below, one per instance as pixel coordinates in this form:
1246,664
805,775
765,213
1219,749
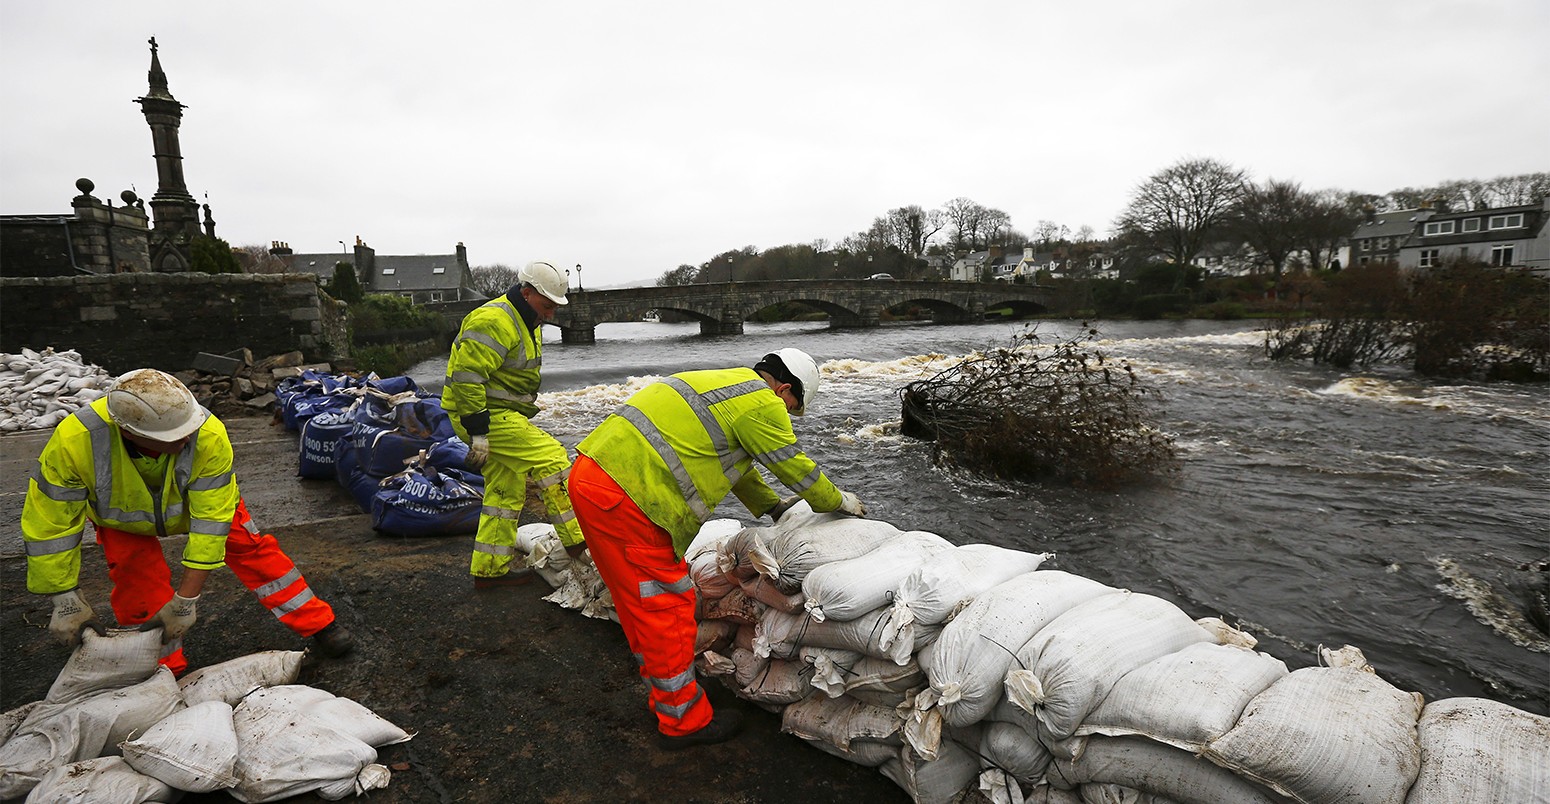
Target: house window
1366,245
1506,221
438,270
1362,261
1439,228
389,271
407,295
1501,255
1383,244
1429,258
1472,225
436,296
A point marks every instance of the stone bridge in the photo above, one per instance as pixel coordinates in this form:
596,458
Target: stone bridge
721,308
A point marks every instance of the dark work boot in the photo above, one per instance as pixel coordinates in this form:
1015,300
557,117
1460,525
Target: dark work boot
723,726
333,641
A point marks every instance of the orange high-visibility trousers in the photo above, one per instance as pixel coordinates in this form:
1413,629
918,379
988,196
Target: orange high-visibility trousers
142,581
652,593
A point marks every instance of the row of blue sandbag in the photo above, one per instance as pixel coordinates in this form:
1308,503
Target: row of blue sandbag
390,445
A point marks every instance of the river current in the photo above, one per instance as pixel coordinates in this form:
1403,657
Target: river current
1314,507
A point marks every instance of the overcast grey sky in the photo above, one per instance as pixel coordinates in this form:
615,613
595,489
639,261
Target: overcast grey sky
633,137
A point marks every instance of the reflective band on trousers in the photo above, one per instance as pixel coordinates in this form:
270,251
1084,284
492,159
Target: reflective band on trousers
679,710
654,588
675,683
700,404
495,549
293,604
279,583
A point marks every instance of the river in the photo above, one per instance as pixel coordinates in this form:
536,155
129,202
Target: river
1313,507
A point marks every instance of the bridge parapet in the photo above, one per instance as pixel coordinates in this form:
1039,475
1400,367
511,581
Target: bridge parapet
721,308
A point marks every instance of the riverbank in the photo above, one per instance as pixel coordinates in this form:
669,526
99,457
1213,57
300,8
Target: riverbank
513,699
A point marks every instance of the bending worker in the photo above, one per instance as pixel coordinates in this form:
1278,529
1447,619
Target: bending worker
491,390
144,462
649,476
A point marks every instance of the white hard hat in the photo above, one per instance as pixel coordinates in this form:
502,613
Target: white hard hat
545,279
154,405
804,369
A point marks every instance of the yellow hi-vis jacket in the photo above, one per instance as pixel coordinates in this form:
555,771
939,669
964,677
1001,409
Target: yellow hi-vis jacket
85,471
678,446
494,362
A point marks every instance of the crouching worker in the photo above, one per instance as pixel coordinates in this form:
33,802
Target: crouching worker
649,476
144,462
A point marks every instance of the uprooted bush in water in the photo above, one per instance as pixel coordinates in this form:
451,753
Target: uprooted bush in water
1464,319
1063,411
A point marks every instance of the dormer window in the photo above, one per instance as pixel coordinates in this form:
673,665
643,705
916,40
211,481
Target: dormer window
1472,225
389,271
1506,221
1439,228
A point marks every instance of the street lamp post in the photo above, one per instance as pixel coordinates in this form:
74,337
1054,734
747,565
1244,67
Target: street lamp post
342,249
578,277
730,280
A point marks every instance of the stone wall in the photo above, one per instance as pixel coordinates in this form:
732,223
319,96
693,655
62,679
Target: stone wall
133,320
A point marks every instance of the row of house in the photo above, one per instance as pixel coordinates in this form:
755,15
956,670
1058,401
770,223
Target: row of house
421,278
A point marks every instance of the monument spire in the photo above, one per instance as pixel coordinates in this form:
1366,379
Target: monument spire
176,212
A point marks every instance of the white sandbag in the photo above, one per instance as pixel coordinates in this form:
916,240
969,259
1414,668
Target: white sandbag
734,605
968,663
1476,751
1049,794
85,728
953,578
716,635
839,721
230,680
12,719
843,672
1226,634
342,714
123,657
861,752
734,554
936,781
711,534
1010,747
845,590
543,552
1119,794
193,750
1327,734
749,665
107,779
1186,699
710,583
583,590
780,634
781,681
768,593
789,552
1142,764
1072,662
281,755
999,787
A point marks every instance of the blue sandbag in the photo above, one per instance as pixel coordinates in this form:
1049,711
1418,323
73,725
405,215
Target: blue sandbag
427,502
451,453
347,470
320,435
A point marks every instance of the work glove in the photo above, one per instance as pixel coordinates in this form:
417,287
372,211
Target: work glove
782,507
851,504
175,618
575,550
478,452
72,614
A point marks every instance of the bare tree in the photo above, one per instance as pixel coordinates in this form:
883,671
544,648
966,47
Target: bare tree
682,275
256,259
1331,217
909,229
967,220
1048,234
1085,234
493,280
1177,211
1269,219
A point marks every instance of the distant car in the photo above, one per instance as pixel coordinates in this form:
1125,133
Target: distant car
888,277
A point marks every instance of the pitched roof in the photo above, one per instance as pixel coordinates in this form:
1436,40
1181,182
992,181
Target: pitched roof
1398,223
420,272
320,264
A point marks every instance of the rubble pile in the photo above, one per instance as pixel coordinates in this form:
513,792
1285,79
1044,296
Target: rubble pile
38,389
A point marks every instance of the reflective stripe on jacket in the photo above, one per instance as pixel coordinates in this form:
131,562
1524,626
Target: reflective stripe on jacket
678,446
494,362
85,471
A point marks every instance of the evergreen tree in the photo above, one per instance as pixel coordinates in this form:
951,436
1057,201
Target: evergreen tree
345,286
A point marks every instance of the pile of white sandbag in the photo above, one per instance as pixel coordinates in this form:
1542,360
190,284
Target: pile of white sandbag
39,389
956,669
117,727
